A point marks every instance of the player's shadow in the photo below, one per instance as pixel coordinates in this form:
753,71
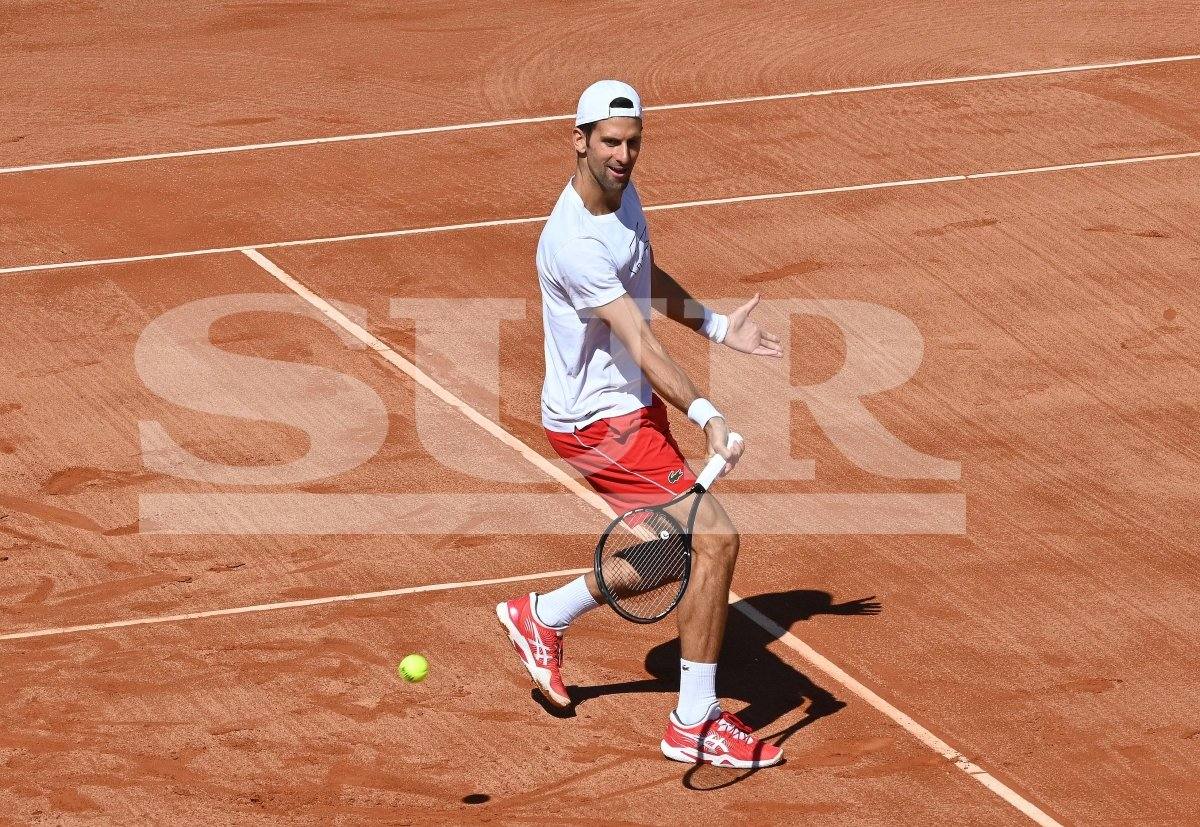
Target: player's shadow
750,672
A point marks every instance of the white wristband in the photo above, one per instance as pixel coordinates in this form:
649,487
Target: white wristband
701,411
715,326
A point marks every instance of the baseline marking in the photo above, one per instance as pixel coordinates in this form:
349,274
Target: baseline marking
500,222
290,604
813,657
425,130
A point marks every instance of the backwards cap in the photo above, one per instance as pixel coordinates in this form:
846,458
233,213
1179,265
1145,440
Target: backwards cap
595,104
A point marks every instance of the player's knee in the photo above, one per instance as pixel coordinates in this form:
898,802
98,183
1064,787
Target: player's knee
727,550
720,547
730,544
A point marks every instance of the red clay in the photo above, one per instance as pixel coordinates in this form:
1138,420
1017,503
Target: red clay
431,180
88,81
1052,643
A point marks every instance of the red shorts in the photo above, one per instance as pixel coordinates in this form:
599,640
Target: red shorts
631,460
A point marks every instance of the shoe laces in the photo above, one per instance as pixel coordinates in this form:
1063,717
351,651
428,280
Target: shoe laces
732,724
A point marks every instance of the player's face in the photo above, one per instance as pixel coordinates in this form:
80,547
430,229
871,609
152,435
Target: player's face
612,150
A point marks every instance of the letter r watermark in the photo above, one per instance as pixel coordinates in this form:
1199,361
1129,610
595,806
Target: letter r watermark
883,350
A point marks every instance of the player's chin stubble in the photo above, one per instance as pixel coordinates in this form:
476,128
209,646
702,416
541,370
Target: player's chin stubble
601,177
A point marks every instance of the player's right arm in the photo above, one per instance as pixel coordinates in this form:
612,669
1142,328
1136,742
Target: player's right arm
588,278
670,381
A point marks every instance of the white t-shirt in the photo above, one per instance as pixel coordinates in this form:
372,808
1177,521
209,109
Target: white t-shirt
585,261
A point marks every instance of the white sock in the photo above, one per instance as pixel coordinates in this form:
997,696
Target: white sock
697,691
561,606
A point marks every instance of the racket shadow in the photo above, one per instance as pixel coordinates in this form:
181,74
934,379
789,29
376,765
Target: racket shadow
750,672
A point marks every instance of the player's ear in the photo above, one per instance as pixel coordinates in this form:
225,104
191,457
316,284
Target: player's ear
579,140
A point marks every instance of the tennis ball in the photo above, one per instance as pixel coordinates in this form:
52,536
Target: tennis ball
413,668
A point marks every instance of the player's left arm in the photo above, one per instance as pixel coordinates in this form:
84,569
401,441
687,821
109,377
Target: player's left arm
737,330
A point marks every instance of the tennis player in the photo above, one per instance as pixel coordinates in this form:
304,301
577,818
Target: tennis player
602,408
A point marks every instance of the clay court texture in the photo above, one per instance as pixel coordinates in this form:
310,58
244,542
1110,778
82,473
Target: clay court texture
271,356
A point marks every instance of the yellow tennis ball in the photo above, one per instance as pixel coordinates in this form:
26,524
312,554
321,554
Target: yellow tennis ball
413,668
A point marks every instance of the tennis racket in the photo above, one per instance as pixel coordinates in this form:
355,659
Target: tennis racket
644,557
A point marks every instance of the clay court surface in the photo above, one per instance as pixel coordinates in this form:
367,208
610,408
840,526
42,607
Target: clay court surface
1047,642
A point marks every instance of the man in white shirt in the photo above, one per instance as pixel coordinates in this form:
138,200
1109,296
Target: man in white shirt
606,377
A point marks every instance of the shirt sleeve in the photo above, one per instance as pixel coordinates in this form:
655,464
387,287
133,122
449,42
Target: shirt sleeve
587,273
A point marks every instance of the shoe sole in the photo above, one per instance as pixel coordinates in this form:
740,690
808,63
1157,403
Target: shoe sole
518,641
684,755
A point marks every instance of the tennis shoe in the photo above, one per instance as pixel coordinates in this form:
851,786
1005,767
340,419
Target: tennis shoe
539,646
721,739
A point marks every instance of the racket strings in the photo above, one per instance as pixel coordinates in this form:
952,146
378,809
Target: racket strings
644,575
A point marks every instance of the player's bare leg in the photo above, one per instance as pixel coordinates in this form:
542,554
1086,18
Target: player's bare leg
705,606
698,729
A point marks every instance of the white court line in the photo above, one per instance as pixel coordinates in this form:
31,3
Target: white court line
425,130
1170,156
816,659
332,239
1035,813
921,733
500,222
424,380
290,604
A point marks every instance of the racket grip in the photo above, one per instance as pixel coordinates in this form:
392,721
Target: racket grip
715,464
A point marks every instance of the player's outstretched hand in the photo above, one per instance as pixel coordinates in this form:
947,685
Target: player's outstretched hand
747,337
861,606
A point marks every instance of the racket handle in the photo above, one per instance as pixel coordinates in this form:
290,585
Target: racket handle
715,464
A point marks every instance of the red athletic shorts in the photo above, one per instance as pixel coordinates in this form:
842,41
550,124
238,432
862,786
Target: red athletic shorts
631,460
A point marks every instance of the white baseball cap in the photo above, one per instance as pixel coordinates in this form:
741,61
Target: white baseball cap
595,104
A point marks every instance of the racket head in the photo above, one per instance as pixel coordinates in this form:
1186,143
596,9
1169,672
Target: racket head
643,562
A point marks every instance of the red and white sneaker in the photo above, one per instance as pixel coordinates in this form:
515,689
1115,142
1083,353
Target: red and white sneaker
539,646
721,740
